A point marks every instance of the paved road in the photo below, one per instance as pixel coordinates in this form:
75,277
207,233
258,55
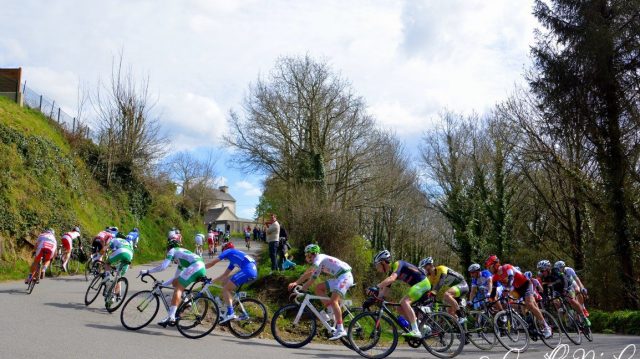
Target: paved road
53,322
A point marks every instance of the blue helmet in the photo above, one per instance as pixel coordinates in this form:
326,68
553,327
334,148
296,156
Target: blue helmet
135,229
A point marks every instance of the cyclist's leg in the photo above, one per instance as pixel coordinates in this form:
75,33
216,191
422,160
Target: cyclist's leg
66,245
414,293
338,289
449,298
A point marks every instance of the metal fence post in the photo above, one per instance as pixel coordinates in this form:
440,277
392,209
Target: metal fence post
58,115
73,126
52,106
40,106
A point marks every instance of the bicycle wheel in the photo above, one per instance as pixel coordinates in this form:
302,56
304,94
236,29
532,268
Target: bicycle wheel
556,332
586,331
95,286
55,267
347,317
113,300
374,339
31,285
290,334
569,325
92,269
139,310
252,318
511,331
443,335
197,317
73,266
480,331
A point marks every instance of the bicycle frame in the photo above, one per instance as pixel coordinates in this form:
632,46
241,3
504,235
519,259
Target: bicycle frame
306,303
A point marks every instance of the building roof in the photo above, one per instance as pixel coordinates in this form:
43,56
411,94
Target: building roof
213,214
223,196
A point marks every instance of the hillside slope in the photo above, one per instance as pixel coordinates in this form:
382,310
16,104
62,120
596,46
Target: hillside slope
44,183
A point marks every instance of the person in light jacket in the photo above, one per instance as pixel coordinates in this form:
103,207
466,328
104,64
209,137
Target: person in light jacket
273,239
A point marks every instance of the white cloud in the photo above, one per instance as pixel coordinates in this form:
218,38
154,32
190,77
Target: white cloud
247,212
58,86
193,120
249,188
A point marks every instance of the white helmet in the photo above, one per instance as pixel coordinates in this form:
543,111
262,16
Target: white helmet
425,261
544,264
475,267
559,265
384,255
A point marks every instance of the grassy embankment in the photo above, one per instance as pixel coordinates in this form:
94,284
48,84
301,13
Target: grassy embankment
45,183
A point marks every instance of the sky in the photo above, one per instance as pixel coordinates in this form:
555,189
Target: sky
409,59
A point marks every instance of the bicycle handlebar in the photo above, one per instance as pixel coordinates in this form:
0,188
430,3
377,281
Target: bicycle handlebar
145,275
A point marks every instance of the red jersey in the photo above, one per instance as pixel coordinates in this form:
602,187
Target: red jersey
506,270
104,237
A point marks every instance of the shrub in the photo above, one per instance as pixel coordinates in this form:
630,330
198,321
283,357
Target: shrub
621,322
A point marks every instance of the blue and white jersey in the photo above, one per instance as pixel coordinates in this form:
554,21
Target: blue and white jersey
132,236
482,282
236,258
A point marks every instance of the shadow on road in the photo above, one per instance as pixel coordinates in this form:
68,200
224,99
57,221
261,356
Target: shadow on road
13,291
69,279
250,342
123,329
77,306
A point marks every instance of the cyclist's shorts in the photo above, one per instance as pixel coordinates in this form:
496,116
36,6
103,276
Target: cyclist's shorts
66,243
120,255
199,241
246,274
192,273
96,246
417,290
460,289
45,254
523,291
340,284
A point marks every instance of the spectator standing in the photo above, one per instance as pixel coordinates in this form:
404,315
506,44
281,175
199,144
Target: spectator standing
273,238
256,233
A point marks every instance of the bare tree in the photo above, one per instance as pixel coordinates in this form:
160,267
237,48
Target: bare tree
128,134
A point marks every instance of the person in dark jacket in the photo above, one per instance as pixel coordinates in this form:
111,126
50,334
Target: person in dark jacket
283,247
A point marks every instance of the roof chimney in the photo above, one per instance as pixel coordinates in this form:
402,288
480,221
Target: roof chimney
224,189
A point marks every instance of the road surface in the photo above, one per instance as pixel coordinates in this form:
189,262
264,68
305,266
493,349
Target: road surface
53,322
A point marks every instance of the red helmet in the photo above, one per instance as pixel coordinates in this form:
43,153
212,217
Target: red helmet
228,245
493,259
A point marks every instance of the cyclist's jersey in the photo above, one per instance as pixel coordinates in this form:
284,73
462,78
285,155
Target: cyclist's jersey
329,265
444,276
199,238
103,237
118,243
182,257
555,281
507,270
211,237
46,240
482,282
236,258
70,236
407,272
132,236
247,234
570,276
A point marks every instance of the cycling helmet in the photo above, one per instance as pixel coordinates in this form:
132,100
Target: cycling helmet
312,248
135,229
559,265
113,229
528,274
49,230
228,245
475,267
425,261
76,229
384,255
493,259
544,264
177,231
172,243
517,268
211,231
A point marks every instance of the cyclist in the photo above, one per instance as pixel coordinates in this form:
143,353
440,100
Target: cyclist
247,235
247,272
537,287
211,241
447,284
101,241
481,285
121,253
190,269
67,245
578,287
45,250
554,280
227,236
408,273
338,285
518,285
133,237
199,240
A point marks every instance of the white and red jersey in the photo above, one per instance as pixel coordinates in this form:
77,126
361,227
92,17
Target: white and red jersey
104,237
210,238
67,239
46,240
505,271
